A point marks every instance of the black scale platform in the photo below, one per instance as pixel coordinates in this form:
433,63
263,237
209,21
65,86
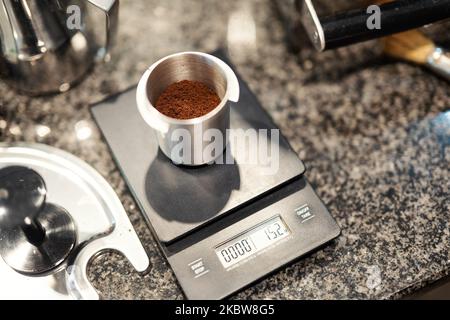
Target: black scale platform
187,206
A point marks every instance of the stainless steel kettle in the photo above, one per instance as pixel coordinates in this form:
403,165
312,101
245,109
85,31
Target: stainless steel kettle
46,46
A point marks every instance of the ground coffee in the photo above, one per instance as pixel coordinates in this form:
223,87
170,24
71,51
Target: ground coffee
187,100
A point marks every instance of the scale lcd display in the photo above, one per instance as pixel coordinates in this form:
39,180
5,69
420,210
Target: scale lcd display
252,242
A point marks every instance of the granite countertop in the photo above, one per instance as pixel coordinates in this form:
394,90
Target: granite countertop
374,133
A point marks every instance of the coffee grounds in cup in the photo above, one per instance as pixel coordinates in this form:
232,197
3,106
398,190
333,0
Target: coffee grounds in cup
187,100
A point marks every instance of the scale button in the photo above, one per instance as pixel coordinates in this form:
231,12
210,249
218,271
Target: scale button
304,213
198,268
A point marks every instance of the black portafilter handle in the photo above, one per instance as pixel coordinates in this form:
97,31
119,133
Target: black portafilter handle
397,16
22,197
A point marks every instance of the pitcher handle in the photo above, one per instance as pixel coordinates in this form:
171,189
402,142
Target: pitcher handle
111,10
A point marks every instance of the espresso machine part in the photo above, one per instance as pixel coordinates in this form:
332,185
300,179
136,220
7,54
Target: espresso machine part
47,45
329,26
49,233
352,27
35,236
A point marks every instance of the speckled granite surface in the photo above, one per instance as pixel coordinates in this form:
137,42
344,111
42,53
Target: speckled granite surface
374,133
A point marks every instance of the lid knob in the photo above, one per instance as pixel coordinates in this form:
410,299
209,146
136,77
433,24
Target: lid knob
22,196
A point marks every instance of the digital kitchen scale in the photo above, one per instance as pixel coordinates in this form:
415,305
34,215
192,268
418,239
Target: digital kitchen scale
221,227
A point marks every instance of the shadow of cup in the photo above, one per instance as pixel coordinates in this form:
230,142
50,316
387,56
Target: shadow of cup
189,194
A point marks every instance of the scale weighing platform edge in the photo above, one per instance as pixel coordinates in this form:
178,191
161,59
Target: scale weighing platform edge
221,227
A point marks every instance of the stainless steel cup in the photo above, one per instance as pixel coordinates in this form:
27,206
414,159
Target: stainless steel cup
187,142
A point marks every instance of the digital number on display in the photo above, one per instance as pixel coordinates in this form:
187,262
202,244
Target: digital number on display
252,242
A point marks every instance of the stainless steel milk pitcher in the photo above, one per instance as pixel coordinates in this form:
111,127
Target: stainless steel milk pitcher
48,45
